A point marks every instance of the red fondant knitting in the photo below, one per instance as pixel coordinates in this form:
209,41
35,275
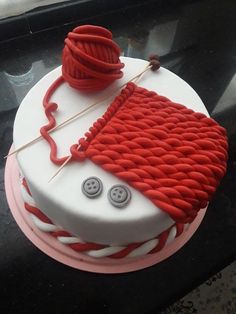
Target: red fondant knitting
49,109
173,155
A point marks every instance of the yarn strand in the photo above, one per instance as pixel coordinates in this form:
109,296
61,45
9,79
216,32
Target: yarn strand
134,79
78,114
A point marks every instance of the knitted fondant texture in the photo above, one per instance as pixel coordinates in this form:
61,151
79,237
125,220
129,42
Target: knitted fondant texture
174,156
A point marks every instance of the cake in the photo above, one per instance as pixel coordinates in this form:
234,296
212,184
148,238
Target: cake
149,159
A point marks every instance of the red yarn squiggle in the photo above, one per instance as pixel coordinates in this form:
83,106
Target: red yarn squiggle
173,155
50,108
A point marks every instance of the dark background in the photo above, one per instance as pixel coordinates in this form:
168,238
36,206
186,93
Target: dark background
196,40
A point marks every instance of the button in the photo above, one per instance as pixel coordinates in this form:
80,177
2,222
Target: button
119,195
92,187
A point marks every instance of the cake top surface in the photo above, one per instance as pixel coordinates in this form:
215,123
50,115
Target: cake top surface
65,191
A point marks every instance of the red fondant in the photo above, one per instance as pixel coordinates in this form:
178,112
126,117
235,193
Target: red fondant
162,241
82,247
60,233
90,59
49,108
35,211
26,186
124,252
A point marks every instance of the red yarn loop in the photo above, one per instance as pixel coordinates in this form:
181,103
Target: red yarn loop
90,60
77,154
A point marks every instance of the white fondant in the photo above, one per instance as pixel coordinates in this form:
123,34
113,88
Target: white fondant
186,226
69,240
43,226
172,235
93,220
144,249
105,252
26,197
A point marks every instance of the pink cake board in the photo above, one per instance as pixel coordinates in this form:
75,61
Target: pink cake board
61,253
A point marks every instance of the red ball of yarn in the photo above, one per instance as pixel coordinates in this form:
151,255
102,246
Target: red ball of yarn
90,59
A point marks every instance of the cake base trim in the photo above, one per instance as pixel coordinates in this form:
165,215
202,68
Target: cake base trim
63,254
96,250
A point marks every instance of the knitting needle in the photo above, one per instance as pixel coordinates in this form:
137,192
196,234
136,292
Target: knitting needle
69,158
78,114
60,168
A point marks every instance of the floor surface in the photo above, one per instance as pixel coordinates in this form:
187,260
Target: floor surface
217,295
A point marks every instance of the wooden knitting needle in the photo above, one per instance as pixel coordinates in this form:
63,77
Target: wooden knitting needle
60,168
67,121
69,157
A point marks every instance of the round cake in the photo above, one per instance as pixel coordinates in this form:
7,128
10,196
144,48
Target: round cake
94,208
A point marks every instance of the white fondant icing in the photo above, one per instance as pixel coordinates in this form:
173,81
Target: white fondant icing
172,235
43,226
26,197
105,252
93,220
69,240
144,249
186,226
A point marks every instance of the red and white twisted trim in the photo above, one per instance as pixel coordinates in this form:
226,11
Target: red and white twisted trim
43,223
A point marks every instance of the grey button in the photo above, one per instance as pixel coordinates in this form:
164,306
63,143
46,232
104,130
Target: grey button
119,195
92,187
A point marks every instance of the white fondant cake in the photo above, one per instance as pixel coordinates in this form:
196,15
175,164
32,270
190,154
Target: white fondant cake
62,200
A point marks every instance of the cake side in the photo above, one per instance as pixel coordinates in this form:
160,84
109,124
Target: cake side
96,250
